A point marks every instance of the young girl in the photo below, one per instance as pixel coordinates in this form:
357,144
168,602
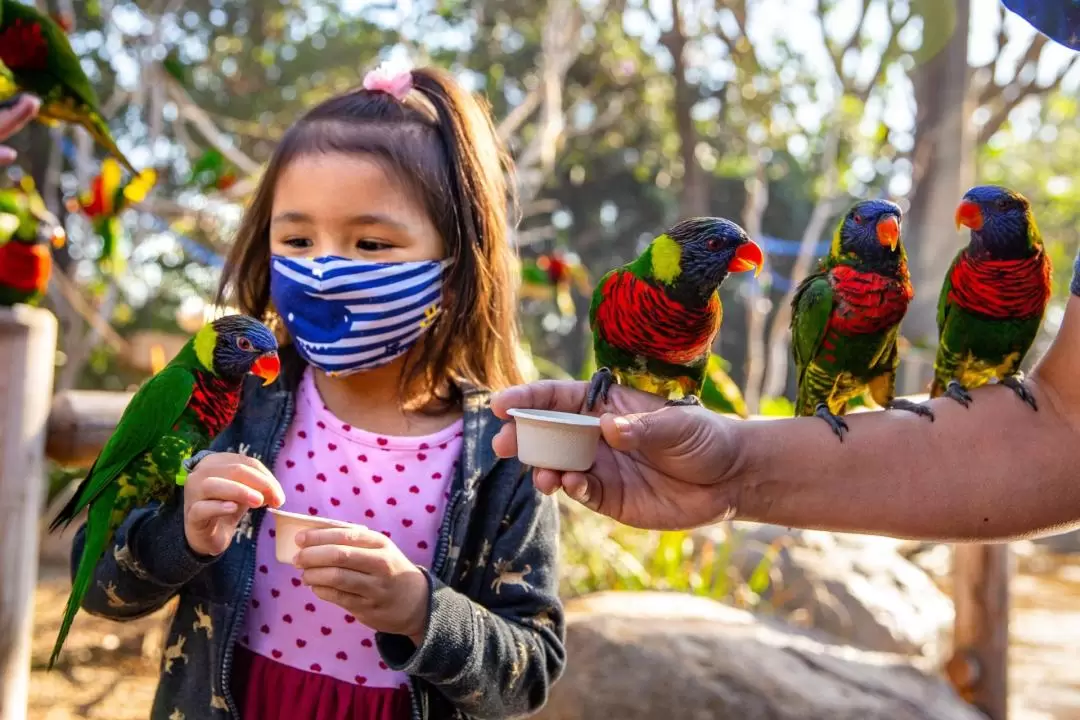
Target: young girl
377,245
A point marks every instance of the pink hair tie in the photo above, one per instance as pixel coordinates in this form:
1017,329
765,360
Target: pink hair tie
396,82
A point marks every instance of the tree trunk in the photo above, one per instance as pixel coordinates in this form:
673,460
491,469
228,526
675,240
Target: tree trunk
694,200
944,169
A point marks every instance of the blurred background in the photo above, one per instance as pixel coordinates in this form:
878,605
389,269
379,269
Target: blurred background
623,117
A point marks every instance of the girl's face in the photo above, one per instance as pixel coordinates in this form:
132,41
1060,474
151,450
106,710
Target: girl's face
348,206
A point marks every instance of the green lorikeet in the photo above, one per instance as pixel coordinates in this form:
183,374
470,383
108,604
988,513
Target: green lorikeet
994,296
27,229
846,317
175,414
36,51
654,319
107,198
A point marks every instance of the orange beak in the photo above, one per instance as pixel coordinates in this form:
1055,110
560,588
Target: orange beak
888,232
267,367
969,215
747,257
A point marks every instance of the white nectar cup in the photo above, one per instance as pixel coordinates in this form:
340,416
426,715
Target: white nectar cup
556,440
289,524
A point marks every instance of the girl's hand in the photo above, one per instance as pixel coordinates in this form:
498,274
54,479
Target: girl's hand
365,573
218,492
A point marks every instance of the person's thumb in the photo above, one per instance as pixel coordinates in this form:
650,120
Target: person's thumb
649,430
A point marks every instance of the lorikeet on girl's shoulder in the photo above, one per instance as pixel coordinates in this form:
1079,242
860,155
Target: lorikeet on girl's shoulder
175,414
654,319
994,296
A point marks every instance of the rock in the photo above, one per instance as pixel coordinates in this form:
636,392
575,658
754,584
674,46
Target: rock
648,655
857,588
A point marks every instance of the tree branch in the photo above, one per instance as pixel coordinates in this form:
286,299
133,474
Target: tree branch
1023,92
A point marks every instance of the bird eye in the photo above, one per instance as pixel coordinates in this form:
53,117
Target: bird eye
858,219
244,344
1002,204
713,244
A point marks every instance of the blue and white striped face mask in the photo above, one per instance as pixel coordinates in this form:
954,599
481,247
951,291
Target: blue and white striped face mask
349,315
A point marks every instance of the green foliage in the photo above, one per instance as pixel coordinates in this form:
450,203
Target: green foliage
776,407
600,554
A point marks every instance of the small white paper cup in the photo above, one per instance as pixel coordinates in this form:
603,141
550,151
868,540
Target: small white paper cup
288,524
556,440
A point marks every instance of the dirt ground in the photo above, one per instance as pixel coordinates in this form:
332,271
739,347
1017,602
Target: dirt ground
107,670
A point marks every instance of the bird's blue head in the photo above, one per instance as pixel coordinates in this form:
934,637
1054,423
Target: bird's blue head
695,256
1000,221
235,345
870,231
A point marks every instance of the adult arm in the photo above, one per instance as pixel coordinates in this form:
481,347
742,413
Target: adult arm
997,470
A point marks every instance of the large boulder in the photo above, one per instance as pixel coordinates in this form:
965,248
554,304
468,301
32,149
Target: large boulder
649,655
857,588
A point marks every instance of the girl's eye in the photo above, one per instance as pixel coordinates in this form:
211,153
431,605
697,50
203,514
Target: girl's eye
370,245
244,344
298,242
858,219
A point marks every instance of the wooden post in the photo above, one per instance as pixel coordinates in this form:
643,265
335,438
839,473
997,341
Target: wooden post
978,668
27,356
80,424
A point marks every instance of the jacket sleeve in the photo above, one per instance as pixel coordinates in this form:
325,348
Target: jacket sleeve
150,559
497,657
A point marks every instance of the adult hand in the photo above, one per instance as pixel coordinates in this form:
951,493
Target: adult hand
12,119
658,468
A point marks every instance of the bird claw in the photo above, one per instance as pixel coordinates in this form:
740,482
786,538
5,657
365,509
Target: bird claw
685,401
957,392
1016,384
837,423
917,408
599,386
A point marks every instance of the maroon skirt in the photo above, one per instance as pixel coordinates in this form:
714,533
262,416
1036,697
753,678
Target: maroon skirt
269,690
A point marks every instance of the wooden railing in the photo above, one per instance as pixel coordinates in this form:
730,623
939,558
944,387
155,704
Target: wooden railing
80,422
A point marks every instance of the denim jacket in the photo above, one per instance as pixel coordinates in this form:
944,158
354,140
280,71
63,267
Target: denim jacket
494,639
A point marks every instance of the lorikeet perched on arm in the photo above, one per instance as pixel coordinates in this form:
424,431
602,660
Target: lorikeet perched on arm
846,317
36,51
994,296
107,198
175,414
654,319
27,229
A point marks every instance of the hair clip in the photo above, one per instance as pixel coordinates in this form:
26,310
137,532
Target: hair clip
396,81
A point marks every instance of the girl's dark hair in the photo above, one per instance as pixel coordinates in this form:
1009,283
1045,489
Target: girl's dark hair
441,143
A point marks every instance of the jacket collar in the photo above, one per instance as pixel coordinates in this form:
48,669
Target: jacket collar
479,423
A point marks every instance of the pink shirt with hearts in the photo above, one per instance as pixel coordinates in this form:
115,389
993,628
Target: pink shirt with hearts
395,485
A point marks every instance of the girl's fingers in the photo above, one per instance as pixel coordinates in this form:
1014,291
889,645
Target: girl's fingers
361,560
358,536
547,481
204,513
346,581
505,441
342,599
258,479
219,488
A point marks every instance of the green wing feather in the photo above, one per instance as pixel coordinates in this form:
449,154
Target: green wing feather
63,68
152,412
811,308
943,298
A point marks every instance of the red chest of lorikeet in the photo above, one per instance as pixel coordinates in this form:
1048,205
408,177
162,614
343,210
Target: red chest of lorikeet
27,230
846,317
175,414
994,296
36,52
654,319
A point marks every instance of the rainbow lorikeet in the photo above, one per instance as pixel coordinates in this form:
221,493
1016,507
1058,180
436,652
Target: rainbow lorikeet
719,392
994,296
211,171
654,319
175,414
27,229
107,198
36,51
846,318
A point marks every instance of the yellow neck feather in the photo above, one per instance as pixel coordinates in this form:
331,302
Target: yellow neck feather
204,343
666,257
